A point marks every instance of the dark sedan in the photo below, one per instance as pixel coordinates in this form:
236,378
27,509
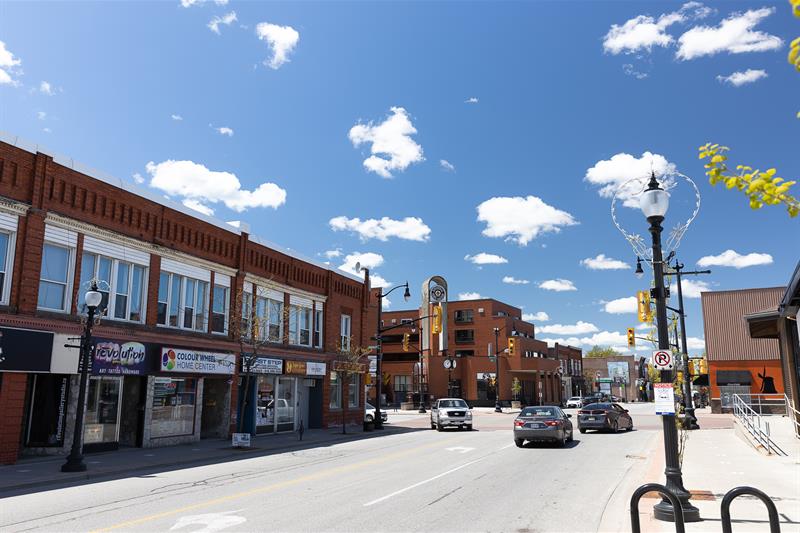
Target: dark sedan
604,416
545,423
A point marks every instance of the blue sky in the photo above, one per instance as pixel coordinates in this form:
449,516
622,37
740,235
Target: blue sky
149,90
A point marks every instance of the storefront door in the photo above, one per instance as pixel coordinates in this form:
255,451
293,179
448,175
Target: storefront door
285,403
265,404
101,429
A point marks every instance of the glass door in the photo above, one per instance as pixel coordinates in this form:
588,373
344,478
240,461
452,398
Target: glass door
265,404
103,410
285,403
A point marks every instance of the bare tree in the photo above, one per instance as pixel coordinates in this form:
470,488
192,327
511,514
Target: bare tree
350,361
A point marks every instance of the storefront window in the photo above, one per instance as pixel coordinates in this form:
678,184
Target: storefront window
336,391
173,407
102,410
284,404
353,386
265,408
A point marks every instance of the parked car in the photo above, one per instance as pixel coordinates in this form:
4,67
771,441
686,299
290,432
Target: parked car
369,414
543,423
593,398
617,399
575,401
451,412
604,416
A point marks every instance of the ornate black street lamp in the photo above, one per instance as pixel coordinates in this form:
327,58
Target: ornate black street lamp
75,462
497,407
654,203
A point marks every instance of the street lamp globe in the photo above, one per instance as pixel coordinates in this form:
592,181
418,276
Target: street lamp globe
93,297
639,272
406,294
654,201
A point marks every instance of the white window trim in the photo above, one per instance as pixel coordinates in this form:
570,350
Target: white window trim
264,331
294,311
182,304
112,291
345,319
227,308
12,247
319,324
70,279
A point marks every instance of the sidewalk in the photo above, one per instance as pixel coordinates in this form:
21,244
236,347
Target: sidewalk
715,461
34,472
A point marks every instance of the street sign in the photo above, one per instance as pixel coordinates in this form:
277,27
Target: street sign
664,398
662,360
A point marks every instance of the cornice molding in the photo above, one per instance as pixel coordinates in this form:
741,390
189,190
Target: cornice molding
272,284
129,242
7,205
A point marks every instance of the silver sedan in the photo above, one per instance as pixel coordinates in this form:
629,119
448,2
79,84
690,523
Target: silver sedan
544,423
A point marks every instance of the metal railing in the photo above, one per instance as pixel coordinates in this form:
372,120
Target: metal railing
754,423
794,416
765,404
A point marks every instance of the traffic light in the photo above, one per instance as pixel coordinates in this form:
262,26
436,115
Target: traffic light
406,338
437,319
644,311
631,337
692,369
511,342
703,366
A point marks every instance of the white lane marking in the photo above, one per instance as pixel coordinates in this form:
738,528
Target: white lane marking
459,449
415,485
211,521
506,446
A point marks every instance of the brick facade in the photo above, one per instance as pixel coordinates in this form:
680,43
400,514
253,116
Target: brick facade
43,190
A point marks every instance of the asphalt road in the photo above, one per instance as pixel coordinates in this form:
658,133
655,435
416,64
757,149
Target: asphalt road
418,480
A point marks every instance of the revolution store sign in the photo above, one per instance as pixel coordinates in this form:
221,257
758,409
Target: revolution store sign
193,361
120,358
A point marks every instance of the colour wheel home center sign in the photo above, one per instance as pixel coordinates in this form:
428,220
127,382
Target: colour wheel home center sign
183,360
662,360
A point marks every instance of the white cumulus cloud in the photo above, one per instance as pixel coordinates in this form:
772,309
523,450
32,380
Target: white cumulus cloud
193,181
558,285
469,296
731,258
471,100
614,339
190,3
734,35
622,305
609,174
197,206
9,66
330,254
695,343
138,178
447,165
511,280
644,32
539,316
224,130
601,262
368,260
46,88
391,139
483,258
737,79
41,115
521,219
281,40
579,328
691,288
176,117
226,19
410,228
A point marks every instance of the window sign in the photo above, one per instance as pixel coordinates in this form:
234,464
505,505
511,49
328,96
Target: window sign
184,360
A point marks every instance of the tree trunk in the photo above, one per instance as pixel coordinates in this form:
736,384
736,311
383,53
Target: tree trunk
240,422
344,405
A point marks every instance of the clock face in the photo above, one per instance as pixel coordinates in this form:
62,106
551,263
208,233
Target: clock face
448,363
437,293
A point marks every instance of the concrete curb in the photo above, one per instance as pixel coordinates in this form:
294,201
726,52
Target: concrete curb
88,475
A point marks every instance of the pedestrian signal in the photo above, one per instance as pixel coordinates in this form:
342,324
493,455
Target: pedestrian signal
437,319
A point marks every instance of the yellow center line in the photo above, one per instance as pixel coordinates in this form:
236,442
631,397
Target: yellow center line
267,488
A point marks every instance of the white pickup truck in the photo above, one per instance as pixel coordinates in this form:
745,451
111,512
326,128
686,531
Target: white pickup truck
451,412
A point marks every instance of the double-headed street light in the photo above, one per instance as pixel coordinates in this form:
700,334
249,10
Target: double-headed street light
75,462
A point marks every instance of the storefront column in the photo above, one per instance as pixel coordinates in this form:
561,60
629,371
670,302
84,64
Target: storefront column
12,407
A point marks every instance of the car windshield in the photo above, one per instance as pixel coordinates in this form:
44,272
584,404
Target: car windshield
539,411
599,406
575,398
368,406
452,403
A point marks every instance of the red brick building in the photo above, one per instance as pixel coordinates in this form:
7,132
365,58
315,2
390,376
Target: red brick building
570,360
166,357
471,338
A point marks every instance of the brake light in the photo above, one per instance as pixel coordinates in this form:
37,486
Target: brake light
582,412
518,423
552,423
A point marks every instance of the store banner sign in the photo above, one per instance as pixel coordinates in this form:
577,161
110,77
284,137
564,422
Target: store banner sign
267,365
346,366
295,367
120,358
193,361
316,369
25,350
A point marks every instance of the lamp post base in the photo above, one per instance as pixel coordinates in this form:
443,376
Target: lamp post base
663,511
689,420
378,424
74,464
497,408
422,409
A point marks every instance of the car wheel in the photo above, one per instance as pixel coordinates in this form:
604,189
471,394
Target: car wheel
369,419
570,436
630,426
614,427
563,442
469,427
439,427
519,442
582,430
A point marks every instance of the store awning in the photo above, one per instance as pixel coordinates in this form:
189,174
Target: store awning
734,377
763,324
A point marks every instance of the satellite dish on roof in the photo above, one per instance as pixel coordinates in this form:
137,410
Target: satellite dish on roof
358,267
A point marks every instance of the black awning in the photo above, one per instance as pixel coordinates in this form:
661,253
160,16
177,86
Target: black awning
701,381
734,377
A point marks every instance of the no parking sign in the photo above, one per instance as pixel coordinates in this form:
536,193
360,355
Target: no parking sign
662,360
